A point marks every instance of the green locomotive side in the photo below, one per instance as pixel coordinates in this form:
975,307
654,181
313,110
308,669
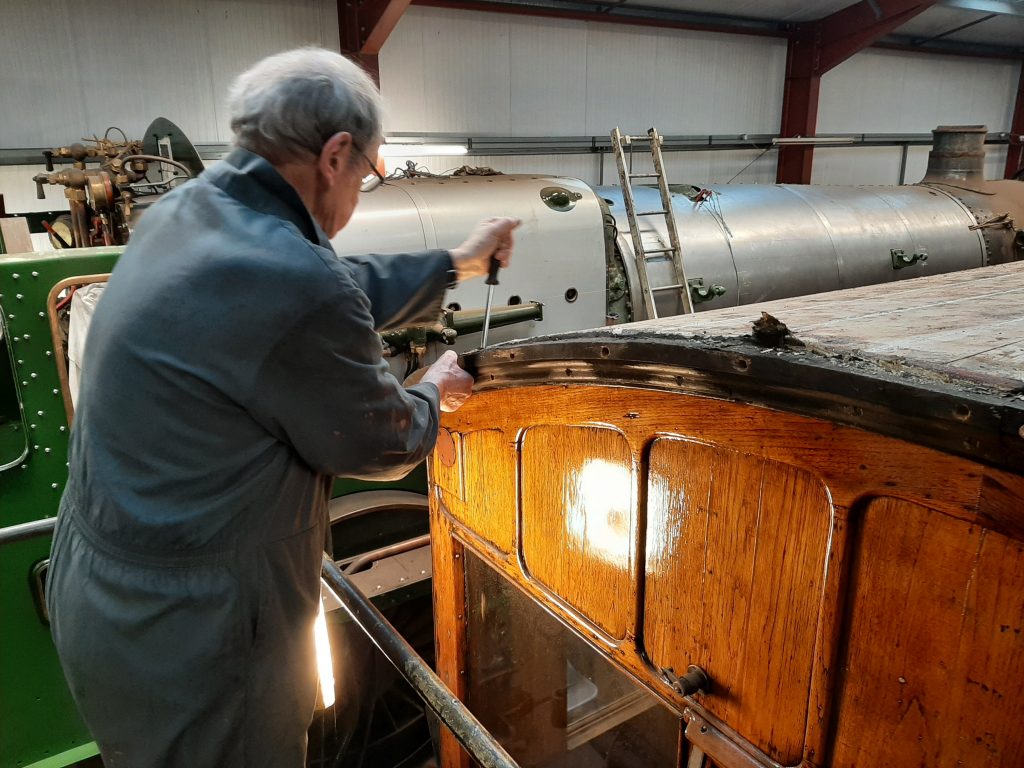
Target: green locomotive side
40,724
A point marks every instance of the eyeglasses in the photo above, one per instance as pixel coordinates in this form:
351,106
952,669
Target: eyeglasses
371,180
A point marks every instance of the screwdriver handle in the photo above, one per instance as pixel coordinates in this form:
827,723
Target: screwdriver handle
492,271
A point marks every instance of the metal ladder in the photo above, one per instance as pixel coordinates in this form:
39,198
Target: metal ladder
645,255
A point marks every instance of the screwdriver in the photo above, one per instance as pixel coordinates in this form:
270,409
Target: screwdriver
492,280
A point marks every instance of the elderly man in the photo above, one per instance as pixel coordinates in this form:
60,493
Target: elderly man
233,370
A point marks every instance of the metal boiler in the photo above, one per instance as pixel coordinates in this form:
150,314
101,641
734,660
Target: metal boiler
749,243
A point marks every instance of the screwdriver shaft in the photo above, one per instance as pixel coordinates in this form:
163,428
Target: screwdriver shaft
487,316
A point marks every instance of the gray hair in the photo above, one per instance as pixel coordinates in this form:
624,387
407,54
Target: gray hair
288,105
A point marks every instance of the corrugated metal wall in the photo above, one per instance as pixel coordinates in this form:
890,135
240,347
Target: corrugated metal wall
68,70
451,71
446,71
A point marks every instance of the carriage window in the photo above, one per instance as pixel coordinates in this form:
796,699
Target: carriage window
546,695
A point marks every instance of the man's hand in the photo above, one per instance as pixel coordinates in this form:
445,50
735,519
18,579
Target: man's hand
492,237
454,383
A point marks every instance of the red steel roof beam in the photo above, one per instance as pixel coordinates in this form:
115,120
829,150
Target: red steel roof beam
814,49
363,28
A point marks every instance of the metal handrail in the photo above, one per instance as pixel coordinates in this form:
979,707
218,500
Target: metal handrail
480,744
29,530
361,561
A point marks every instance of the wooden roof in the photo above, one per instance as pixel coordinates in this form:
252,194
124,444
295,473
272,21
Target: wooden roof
966,326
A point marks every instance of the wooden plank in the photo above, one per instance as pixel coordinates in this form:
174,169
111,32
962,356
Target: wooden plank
14,235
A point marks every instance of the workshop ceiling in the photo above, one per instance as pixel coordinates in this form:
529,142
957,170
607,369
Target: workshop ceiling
984,27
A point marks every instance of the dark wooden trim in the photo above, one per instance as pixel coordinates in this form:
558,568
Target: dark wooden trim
918,410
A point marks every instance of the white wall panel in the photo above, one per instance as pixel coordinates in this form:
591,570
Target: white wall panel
897,92
20,192
860,165
71,70
624,88
548,94
447,71
717,83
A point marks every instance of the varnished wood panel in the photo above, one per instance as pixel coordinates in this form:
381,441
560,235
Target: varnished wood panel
851,462
479,483
449,586
736,549
578,520
934,670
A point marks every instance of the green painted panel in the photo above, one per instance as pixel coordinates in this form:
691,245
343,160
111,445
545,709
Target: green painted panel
38,716
415,481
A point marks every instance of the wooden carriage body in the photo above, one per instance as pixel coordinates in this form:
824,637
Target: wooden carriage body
827,524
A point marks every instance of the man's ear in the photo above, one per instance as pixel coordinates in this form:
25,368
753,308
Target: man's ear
335,156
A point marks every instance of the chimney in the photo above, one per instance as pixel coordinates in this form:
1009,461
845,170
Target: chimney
958,155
